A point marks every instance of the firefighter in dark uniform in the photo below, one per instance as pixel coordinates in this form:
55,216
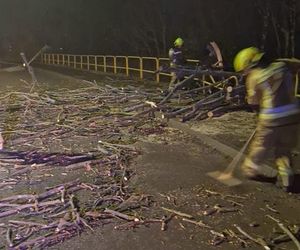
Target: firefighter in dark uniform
211,60
177,59
273,90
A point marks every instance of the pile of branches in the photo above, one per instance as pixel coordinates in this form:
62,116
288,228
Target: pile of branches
41,220
202,94
49,134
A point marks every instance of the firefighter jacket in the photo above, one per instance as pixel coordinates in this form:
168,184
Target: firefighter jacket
176,57
273,89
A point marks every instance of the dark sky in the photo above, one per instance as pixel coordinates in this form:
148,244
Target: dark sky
146,27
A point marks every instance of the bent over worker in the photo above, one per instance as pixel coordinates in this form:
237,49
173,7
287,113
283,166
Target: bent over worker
176,59
272,89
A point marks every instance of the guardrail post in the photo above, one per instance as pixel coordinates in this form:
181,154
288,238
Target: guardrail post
297,89
104,64
141,67
75,61
115,64
157,70
68,60
126,66
81,62
88,62
96,63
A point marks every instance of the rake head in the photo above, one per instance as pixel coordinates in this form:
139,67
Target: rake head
225,178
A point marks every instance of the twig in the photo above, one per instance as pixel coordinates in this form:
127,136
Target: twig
26,206
286,230
233,234
27,223
225,195
257,241
119,215
221,235
198,223
165,220
289,233
178,213
9,235
272,209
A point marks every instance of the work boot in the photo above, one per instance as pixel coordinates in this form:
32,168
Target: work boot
255,172
285,179
249,171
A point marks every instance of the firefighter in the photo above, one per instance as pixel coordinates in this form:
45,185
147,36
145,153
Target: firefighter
177,59
272,90
213,58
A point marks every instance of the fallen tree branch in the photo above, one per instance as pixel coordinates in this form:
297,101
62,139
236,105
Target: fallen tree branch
260,242
177,213
286,230
198,223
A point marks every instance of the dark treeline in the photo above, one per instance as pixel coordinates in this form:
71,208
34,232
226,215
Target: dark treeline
148,27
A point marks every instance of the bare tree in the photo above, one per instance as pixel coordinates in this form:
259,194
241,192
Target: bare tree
283,16
264,11
145,27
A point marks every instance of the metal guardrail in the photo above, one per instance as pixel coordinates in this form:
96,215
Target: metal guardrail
297,86
141,67
135,66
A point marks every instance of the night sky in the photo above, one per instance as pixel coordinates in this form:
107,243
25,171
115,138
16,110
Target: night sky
148,27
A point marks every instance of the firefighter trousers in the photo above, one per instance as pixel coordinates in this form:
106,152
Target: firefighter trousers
281,140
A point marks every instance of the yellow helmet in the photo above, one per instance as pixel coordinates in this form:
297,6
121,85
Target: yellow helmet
178,42
247,58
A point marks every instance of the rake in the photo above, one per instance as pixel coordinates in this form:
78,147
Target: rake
226,177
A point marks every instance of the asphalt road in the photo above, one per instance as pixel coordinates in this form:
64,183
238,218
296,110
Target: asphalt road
172,169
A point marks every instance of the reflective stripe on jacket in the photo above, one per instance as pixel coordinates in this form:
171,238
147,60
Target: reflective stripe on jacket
273,89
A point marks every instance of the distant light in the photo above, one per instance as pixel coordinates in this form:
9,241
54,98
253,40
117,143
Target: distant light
24,65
